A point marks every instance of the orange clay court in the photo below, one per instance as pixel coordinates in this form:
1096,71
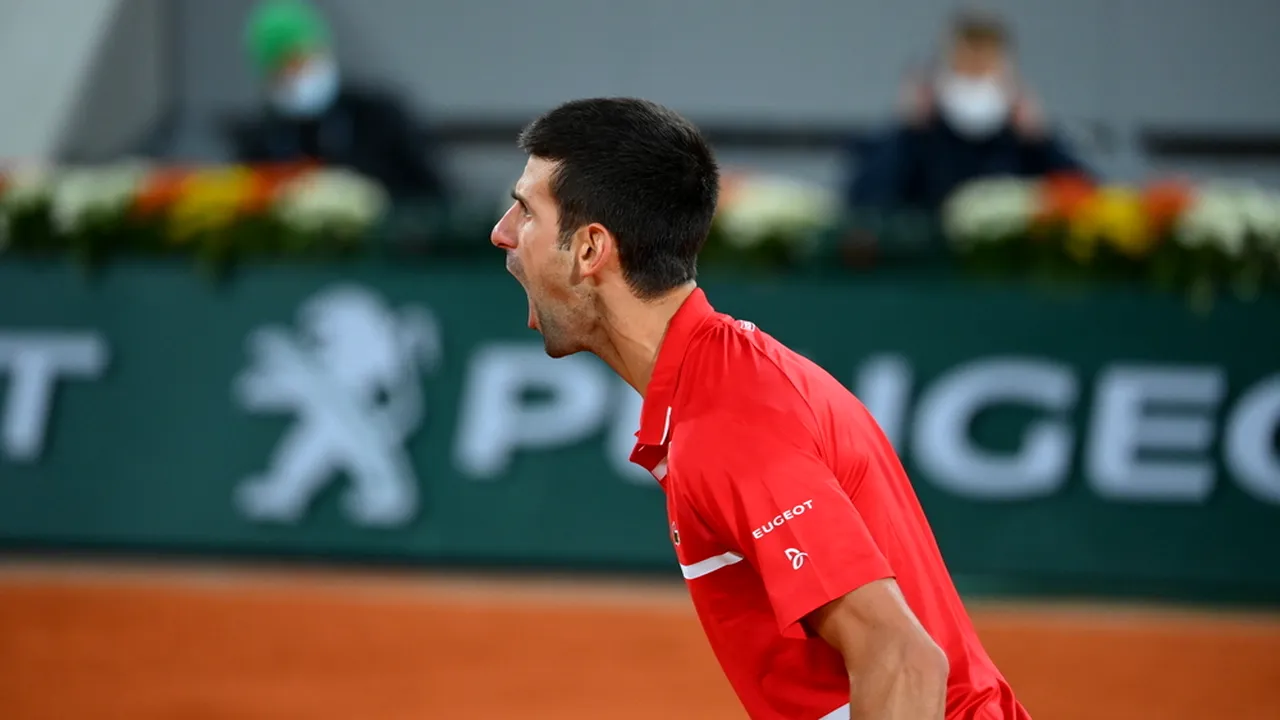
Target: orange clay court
106,642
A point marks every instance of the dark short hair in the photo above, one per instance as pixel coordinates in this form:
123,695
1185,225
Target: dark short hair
980,27
639,169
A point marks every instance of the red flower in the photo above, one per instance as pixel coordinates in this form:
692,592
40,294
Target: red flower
160,190
1063,195
1165,201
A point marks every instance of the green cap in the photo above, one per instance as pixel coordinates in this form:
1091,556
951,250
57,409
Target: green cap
280,29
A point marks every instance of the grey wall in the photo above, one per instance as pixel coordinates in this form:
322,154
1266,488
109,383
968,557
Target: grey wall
47,51
1117,62
126,90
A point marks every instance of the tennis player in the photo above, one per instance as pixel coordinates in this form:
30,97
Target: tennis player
806,553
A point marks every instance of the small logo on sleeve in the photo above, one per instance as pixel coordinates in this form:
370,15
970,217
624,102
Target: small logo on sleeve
796,557
675,534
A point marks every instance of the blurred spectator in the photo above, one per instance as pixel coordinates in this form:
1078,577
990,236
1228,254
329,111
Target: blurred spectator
969,117
312,112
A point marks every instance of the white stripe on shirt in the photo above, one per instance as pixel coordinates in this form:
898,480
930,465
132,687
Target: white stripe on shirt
840,713
710,565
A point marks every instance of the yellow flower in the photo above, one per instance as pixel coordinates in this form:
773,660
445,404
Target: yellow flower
1114,216
210,201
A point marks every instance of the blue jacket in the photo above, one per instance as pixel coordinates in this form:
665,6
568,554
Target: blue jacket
918,167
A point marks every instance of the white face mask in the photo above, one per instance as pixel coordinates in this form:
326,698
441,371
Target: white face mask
975,107
309,91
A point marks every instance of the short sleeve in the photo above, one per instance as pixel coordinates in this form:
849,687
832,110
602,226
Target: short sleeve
775,499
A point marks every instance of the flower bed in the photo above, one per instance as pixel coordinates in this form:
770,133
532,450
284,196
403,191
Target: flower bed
216,213
1195,239
1189,238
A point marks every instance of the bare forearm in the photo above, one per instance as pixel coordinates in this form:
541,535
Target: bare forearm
896,670
900,687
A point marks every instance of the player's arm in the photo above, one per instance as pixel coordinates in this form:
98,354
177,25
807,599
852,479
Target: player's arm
822,569
896,671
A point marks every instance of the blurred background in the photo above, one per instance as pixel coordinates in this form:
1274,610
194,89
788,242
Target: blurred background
274,442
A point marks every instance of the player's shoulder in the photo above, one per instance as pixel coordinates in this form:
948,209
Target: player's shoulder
732,359
736,374
726,347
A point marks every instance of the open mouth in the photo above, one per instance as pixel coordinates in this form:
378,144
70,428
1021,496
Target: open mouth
512,266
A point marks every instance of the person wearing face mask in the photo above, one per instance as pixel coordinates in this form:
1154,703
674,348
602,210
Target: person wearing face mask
968,118
313,113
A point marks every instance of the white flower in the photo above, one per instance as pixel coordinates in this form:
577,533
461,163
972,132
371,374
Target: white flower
766,205
1223,215
26,186
990,209
82,194
331,199
1261,209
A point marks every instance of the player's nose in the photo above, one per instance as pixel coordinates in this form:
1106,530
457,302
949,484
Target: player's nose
503,236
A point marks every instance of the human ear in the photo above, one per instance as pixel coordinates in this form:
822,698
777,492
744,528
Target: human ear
594,248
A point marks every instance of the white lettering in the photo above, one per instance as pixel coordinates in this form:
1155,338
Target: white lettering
499,418
943,445
782,518
35,362
1132,417
1148,437
883,384
1249,441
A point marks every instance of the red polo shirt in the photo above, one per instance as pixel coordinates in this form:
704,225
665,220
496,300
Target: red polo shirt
783,495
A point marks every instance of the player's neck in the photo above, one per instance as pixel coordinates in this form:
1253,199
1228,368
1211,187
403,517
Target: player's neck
633,333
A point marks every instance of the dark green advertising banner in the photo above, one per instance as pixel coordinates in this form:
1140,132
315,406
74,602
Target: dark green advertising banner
1104,439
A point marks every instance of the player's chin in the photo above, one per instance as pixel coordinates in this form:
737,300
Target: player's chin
557,350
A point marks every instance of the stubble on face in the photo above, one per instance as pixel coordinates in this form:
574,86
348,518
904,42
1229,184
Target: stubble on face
562,308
